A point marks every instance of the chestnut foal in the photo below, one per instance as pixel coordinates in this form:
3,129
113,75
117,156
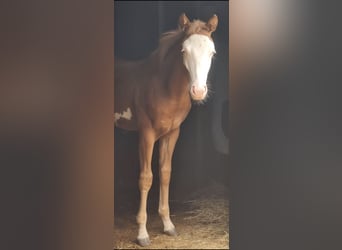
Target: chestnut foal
153,96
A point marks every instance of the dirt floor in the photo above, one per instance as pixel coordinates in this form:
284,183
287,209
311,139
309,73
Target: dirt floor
201,220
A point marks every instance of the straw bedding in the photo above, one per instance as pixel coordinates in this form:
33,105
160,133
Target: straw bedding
201,222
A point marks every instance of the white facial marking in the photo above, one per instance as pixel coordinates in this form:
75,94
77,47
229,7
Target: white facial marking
125,114
198,51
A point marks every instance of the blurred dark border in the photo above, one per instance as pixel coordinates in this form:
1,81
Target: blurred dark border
56,135
285,125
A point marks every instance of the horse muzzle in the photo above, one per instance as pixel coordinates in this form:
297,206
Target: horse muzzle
198,93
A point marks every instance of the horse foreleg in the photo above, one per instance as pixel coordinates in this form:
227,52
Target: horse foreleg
146,143
166,147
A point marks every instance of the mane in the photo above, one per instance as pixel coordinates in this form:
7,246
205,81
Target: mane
167,41
174,37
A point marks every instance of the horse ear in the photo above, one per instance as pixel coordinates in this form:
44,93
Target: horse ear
183,21
212,23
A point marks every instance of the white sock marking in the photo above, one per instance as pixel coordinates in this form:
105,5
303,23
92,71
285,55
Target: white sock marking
168,225
142,234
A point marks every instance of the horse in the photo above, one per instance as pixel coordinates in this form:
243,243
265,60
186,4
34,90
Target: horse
154,95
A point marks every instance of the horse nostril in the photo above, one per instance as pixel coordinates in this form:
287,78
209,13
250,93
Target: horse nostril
193,89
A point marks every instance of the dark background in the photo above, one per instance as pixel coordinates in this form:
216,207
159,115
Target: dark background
196,162
284,126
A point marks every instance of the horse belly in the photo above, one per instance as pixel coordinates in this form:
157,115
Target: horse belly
126,125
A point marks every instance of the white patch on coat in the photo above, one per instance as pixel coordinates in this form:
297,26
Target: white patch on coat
125,115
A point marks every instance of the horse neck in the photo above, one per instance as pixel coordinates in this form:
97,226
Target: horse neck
174,76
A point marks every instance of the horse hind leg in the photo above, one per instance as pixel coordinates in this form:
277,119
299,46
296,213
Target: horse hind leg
145,182
166,148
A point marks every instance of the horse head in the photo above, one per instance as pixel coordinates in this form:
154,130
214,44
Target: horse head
198,49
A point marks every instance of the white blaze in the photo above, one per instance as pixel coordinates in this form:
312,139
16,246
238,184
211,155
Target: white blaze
125,114
198,51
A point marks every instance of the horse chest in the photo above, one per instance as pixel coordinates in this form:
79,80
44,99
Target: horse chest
169,120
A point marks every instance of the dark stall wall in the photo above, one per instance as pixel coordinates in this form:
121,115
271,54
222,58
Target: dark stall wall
201,153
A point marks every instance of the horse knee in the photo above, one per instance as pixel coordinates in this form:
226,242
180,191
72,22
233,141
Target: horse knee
145,181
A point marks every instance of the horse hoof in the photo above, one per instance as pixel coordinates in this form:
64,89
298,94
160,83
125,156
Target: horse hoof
171,232
144,242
